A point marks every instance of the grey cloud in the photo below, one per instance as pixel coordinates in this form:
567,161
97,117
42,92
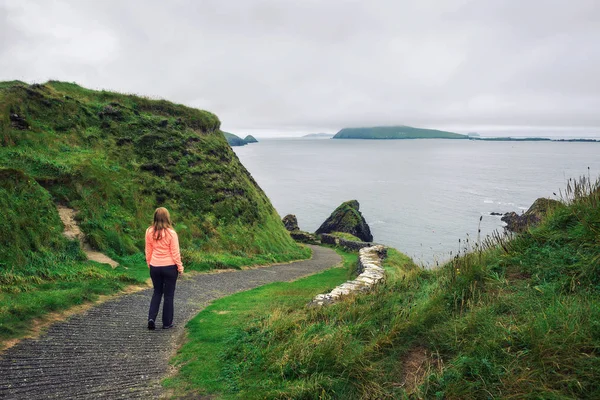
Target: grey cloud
313,65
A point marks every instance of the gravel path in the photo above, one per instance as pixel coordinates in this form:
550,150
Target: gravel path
108,353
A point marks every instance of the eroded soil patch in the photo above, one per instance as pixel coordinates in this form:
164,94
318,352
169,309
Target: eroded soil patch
72,232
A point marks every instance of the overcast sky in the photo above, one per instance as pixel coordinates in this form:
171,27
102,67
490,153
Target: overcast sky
282,67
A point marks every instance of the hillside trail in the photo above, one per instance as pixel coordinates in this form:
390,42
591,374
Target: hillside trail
72,232
107,352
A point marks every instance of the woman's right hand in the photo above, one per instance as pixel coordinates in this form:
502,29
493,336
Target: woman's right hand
180,270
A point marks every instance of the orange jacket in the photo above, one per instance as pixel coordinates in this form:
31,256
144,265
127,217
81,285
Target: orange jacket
163,252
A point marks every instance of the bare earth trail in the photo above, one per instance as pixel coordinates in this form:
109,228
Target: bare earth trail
72,231
108,353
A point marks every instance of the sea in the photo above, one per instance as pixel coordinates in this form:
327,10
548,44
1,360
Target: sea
418,196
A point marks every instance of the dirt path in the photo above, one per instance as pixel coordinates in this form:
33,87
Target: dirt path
72,232
108,353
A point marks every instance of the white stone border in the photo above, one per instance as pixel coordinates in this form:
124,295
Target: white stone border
371,273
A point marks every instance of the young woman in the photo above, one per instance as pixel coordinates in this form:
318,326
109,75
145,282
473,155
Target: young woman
164,260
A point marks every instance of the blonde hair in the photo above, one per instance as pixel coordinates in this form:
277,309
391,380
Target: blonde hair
162,221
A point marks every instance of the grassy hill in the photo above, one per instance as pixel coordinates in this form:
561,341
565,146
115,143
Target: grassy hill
506,318
395,132
114,158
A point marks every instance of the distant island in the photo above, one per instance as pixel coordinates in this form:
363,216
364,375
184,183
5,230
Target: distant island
530,139
396,132
409,132
318,136
234,140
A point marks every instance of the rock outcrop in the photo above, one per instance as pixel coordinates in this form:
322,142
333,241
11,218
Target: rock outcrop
533,216
347,218
349,245
290,222
304,237
18,122
234,140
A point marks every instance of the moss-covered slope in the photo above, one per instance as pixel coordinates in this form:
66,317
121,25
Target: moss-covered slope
114,158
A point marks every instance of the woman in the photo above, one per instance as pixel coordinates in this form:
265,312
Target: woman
164,260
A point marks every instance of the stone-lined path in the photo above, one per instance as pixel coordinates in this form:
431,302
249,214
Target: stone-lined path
108,353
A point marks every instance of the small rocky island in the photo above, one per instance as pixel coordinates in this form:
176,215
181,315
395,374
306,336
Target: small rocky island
533,216
345,219
235,140
348,219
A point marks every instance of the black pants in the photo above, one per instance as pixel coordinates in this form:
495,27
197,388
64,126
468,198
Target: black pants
163,279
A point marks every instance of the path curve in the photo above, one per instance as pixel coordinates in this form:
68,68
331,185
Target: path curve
108,353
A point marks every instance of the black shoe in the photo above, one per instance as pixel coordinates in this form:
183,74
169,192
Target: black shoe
168,326
151,324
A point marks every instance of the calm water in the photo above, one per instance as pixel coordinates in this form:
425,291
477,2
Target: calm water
419,196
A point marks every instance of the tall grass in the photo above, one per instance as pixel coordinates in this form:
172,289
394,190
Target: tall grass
508,317
204,362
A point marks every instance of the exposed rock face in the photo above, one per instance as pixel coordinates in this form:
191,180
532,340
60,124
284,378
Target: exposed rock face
290,222
18,122
330,239
347,218
533,216
111,111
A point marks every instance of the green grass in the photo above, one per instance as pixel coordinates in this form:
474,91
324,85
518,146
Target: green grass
204,363
507,318
115,158
347,236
